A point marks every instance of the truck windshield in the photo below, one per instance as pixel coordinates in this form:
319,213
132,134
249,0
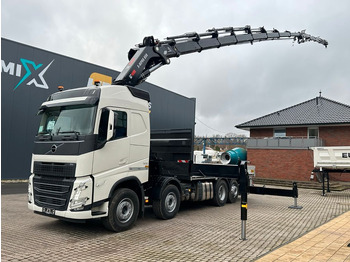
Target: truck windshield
68,119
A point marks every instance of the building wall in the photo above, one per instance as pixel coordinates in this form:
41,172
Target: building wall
335,135
296,131
288,164
264,132
295,164
268,132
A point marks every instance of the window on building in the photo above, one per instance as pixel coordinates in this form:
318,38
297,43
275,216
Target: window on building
279,132
312,132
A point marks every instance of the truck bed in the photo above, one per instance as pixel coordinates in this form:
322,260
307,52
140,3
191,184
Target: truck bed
332,157
190,171
172,155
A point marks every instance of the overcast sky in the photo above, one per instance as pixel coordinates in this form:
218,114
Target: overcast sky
232,84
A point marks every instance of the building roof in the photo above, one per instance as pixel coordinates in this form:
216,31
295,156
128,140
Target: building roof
314,112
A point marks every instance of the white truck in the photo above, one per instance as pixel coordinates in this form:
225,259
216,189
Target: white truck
332,157
95,155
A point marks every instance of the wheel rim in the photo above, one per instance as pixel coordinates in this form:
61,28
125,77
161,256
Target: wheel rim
125,210
222,193
234,190
170,202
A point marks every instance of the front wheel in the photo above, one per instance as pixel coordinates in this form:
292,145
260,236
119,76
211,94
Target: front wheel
123,210
169,203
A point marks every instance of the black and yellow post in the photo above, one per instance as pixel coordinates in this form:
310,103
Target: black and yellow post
244,200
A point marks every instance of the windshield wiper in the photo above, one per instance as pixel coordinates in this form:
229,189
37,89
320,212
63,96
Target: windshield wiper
67,132
44,135
76,133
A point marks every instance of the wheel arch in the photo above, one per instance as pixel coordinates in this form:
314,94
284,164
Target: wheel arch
164,181
134,184
228,181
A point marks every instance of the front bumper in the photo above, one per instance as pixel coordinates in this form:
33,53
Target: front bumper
64,198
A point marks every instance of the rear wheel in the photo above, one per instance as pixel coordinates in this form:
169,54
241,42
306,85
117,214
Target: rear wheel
220,193
123,210
233,192
169,203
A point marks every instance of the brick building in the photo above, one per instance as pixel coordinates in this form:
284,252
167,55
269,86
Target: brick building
279,142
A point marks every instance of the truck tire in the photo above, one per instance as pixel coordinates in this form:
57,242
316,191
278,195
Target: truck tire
220,193
233,192
123,210
169,203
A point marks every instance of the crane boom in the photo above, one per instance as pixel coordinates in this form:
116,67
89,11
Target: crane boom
152,53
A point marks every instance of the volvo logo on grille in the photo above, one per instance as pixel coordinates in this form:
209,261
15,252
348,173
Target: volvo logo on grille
53,148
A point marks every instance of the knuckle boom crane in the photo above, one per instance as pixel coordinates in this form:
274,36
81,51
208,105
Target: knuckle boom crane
152,53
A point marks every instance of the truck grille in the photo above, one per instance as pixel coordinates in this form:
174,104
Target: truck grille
52,192
54,169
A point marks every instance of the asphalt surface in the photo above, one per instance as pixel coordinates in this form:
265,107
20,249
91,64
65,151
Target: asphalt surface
14,188
200,232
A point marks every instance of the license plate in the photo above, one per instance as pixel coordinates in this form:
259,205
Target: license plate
48,211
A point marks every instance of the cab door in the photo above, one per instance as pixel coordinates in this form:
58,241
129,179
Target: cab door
111,159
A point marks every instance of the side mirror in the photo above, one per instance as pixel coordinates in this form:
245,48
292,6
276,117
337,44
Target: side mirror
40,112
110,127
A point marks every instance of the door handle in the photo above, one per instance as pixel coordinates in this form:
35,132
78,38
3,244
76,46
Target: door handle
123,161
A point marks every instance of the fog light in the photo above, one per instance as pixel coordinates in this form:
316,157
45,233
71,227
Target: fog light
79,203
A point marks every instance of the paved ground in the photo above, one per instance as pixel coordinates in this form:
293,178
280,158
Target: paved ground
329,242
197,233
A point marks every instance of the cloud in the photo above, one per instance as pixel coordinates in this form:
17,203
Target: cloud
232,84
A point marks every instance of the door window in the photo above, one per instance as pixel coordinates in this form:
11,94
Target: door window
120,124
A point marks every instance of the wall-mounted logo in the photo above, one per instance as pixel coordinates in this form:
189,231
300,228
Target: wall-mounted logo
33,72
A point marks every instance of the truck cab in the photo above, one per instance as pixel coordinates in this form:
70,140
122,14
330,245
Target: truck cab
89,141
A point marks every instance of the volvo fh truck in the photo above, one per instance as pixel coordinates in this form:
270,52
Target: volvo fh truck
97,157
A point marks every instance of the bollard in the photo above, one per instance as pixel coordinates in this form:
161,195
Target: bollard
244,201
295,196
243,230
244,209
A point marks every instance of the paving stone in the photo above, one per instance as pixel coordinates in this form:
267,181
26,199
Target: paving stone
200,232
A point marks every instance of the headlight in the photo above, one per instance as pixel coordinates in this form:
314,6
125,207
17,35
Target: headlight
77,202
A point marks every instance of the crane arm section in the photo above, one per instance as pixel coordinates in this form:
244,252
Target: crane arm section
152,53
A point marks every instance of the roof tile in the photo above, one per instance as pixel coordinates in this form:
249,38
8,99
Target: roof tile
317,111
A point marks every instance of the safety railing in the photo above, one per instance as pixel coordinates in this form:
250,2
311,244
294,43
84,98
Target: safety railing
284,142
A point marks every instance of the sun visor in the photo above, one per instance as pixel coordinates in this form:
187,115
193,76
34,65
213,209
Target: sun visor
86,100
